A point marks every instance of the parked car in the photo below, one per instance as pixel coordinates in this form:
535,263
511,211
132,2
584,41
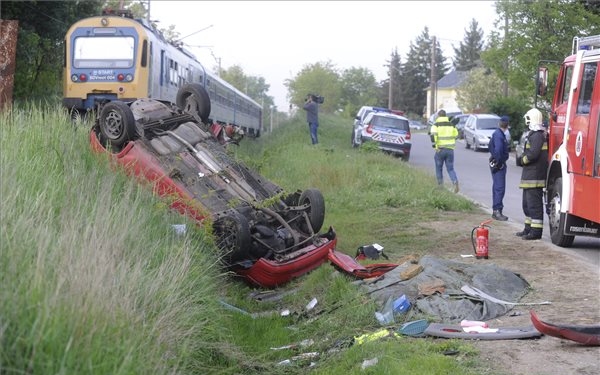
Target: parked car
459,121
264,234
479,129
390,131
451,112
362,113
416,124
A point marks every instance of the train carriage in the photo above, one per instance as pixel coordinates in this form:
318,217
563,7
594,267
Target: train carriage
114,57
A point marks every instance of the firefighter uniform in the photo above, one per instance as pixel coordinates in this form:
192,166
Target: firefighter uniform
533,180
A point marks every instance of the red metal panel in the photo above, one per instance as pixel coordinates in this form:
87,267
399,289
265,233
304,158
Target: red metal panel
8,49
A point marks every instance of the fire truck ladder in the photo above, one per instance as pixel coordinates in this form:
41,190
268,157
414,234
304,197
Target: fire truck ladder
586,42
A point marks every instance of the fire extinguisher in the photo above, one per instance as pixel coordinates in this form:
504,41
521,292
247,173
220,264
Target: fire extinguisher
480,241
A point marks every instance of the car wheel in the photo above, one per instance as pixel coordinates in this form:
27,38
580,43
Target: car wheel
354,144
232,236
475,145
556,218
117,124
193,98
467,145
316,208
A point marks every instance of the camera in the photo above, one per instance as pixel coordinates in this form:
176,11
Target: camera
315,98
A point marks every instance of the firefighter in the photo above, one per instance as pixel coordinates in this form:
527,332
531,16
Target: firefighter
533,177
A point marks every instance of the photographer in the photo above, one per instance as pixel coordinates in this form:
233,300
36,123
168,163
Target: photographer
311,107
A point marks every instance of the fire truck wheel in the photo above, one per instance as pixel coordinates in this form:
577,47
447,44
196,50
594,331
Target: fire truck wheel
316,209
193,98
556,218
117,124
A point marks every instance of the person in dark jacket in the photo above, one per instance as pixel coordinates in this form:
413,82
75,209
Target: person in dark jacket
312,117
533,177
499,155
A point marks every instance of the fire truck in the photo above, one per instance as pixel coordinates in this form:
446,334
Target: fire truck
572,193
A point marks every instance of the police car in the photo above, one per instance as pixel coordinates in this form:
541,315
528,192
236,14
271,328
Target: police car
389,130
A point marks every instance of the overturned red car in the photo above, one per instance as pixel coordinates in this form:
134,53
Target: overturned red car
266,235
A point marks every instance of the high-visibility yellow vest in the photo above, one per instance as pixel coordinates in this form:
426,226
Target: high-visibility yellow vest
443,133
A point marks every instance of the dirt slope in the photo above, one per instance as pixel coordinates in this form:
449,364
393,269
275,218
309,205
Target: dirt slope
571,285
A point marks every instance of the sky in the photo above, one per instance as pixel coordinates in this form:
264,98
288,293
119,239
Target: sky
276,39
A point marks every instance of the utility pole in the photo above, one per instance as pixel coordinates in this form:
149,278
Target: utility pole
432,79
505,81
391,91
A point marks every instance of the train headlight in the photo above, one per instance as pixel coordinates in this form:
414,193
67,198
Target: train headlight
82,77
74,78
129,77
79,78
120,77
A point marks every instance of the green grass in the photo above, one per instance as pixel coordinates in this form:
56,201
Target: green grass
93,279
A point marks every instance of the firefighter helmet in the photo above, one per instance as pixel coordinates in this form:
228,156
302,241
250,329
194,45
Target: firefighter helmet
533,119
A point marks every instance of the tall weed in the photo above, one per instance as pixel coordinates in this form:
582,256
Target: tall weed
93,279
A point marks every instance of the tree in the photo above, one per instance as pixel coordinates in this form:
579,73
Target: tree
468,53
255,87
479,88
538,30
320,78
395,78
42,28
358,88
416,72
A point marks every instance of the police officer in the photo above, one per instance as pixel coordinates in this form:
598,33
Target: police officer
498,156
443,139
533,177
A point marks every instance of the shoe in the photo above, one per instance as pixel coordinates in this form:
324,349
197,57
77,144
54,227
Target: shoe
456,189
534,234
497,215
524,232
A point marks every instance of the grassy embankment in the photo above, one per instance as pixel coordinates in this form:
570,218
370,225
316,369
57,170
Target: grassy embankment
94,279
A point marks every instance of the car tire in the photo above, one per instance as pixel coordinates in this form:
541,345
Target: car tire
232,236
193,99
556,218
117,125
467,145
354,144
316,209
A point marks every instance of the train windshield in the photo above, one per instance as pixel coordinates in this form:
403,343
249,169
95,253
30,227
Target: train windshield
104,52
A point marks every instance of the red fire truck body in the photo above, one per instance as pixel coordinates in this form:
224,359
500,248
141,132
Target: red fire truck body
573,181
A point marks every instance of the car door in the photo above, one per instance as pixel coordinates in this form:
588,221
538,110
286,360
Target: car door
469,131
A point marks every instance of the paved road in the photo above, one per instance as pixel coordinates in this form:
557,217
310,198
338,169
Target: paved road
476,184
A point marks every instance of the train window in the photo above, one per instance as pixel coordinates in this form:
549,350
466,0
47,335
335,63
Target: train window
104,52
173,72
144,61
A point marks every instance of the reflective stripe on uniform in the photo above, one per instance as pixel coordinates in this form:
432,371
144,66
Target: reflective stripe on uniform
537,224
532,184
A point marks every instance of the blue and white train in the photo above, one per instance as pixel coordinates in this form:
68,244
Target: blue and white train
115,57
